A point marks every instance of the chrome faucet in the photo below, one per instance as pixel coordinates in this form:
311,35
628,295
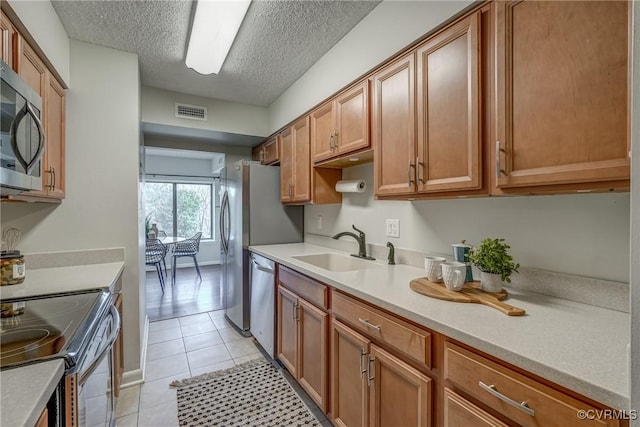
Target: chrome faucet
360,238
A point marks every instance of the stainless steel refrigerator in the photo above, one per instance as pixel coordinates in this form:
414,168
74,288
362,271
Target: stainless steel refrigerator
250,214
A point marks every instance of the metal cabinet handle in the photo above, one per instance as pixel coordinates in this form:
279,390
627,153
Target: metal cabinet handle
262,155
519,405
419,165
498,166
295,311
370,375
53,170
409,174
370,325
337,141
331,146
363,353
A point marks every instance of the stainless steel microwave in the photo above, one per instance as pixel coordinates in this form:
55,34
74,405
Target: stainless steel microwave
21,134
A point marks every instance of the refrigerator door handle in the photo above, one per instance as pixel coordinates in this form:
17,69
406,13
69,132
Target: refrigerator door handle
227,216
223,241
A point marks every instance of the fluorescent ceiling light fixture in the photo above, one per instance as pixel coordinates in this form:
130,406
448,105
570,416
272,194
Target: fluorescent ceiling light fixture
215,26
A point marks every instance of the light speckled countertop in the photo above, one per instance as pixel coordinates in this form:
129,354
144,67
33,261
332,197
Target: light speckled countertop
25,391
579,346
45,281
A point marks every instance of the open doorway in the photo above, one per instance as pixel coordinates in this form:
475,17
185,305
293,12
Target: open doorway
181,207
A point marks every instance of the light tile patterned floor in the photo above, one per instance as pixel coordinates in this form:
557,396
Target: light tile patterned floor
181,348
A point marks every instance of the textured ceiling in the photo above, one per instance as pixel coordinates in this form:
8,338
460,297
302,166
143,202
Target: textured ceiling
278,41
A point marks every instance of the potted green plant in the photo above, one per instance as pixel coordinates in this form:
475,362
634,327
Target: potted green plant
494,262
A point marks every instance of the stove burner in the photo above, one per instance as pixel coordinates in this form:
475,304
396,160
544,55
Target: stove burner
46,328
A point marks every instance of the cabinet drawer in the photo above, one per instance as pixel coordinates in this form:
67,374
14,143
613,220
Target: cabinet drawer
406,338
309,289
460,412
546,406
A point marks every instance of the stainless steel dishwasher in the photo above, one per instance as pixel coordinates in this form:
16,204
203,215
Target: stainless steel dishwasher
262,304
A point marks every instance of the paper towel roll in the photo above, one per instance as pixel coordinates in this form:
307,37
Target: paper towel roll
353,186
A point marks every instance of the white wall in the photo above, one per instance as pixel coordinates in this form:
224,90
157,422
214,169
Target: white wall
44,25
158,106
388,28
583,234
101,205
209,248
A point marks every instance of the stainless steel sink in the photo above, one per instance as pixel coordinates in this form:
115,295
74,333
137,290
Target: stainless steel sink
335,262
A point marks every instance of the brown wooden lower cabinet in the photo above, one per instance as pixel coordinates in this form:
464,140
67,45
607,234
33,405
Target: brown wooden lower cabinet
372,387
302,343
43,420
460,412
385,371
399,395
349,388
287,344
313,324
118,351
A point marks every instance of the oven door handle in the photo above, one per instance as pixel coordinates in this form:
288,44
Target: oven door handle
112,338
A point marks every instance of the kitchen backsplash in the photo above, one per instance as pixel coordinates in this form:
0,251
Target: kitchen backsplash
597,292
69,258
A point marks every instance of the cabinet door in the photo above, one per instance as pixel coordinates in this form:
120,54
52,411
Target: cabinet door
8,40
55,152
323,140
349,390
393,124
287,323
302,161
352,119
449,109
313,350
399,394
562,92
271,153
286,165
460,412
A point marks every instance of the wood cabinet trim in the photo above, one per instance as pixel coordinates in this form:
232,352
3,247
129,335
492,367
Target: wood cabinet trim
318,360
309,289
464,369
401,163
410,341
467,29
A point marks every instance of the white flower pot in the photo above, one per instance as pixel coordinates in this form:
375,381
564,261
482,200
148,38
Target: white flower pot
490,282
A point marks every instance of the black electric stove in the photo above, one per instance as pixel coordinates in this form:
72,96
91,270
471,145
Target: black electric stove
49,327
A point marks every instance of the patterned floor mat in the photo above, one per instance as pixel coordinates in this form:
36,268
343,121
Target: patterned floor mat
252,394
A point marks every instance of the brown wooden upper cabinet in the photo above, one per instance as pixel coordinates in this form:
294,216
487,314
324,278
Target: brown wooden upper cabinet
295,163
341,125
445,152
33,71
562,107
267,153
8,41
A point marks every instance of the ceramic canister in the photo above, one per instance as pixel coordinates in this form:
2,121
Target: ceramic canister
459,252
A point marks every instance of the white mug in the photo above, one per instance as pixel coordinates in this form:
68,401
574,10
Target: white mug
453,274
432,265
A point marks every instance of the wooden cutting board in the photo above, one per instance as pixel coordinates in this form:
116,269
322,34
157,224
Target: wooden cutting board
470,292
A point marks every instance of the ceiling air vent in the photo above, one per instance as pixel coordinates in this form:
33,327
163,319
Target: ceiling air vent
193,112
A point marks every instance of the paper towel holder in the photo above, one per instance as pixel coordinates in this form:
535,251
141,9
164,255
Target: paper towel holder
351,186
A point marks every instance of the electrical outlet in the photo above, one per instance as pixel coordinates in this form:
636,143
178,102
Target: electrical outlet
319,222
393,228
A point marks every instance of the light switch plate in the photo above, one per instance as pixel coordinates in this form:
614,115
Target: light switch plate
319,222
393,228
